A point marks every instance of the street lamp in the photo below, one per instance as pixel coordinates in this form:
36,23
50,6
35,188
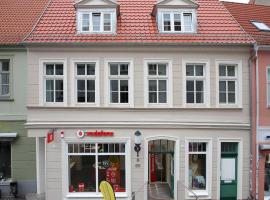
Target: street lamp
138,141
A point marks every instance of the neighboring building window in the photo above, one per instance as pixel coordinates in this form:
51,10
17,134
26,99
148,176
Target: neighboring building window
54,82
195,83
197,174
268,86
227,84
261,26
86,82
177,22
157,83
91,163
96,22
5,78
5,160
119,76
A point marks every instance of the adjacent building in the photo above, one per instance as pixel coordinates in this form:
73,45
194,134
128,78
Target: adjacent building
143,94
255,20
17,151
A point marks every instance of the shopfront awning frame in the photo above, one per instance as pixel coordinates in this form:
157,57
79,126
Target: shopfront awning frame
8,137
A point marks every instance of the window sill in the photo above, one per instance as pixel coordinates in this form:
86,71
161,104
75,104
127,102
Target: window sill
229,106
158,105
194,105
93,195
6,99
199,193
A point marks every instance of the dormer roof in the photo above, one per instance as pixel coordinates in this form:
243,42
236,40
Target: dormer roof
96,4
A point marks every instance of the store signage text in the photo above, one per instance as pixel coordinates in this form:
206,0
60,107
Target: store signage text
81,133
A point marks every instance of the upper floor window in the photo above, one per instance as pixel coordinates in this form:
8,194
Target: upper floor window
54,82
268,87
227,84
96,21
5,78
176,21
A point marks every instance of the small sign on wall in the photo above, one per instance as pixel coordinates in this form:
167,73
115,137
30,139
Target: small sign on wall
81,133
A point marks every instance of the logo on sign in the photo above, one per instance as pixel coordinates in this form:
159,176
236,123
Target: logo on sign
80,134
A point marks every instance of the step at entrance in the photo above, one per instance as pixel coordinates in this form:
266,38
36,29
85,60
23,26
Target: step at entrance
159,191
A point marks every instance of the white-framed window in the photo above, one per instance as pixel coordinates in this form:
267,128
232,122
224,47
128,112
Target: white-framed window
260,25
198,167
87,163
52,84
268,86
158,83
119,75
5,79
177,21
96,21
229,84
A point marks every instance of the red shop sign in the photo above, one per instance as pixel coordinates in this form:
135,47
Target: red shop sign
81,133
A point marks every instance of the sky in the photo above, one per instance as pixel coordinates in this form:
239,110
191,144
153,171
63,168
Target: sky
240,1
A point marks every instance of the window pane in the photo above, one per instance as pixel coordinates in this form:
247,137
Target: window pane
222,70
5,90
85,22
162,97
188,21
59,85
112,169
5,78
222,86
114,85
231,86
114,97
107,22
268,74
49,69
197,171
177,22
90,97
91,85
162,85
123,85
59,69
199,70
5,160
49,96
162,69
152,97
189,70
49,85
81,85
123,69
152,85
90,69
96,21
268,88
152,69
124,97
5,65
222,97
190,97
199,86
81,97
59,96
167,22
231,97
82,173
190,86
199,97
80,69
113,69
231,70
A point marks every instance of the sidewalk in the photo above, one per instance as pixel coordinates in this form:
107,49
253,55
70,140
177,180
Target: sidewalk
34,196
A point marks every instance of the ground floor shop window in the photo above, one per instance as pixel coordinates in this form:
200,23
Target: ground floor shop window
267,176
5,160
197,174
89,164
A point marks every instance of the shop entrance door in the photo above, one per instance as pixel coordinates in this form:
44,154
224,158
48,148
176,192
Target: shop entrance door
228,171
161,168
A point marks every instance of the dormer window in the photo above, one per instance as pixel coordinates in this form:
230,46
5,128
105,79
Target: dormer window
96,21
175,21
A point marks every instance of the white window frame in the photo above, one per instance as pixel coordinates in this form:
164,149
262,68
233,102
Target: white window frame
168,77
95,77
205,78
201,193
239,88
112,12
10,95
162,11
130,78
267,87
65,176
42,84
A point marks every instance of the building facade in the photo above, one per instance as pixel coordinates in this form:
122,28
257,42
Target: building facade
149,101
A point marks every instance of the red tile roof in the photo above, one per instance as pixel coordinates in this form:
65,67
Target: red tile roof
17,17
244,13
136,25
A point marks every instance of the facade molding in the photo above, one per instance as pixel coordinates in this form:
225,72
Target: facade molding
13,117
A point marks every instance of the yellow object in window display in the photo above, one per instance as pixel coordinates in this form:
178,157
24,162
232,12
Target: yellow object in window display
107,190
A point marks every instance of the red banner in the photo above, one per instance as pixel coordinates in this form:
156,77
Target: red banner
50,136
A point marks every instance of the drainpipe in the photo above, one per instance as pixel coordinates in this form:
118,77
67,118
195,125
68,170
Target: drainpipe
256,48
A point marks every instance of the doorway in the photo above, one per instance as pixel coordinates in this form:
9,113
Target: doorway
161,169
228,171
